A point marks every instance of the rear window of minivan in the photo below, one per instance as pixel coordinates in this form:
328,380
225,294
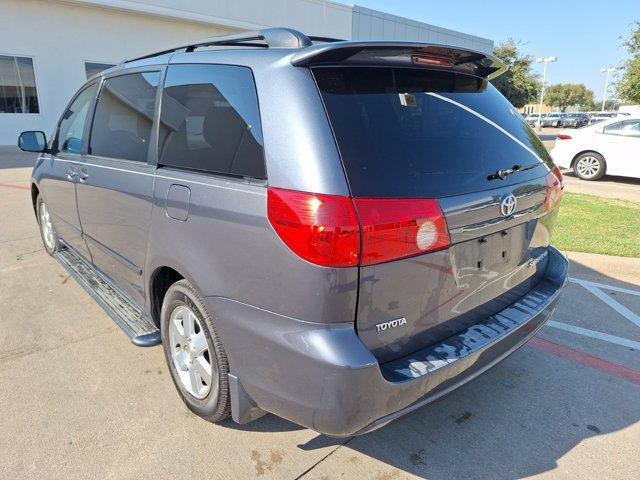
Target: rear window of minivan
416,133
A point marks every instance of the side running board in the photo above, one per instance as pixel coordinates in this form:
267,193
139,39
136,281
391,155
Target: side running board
140,328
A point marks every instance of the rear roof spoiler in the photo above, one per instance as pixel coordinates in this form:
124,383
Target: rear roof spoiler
405,54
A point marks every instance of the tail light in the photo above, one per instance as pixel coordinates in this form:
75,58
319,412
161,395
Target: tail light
555,187
322,229
562,136
394,228
335,231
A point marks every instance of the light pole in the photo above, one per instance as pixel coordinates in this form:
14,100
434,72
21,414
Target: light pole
546,61
608,71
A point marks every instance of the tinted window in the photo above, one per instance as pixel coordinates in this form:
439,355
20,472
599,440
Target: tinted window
210,120
417,133
18,92
71,128
91,68
124,116
613,129
631,128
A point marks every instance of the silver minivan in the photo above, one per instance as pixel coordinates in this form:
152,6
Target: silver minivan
335,232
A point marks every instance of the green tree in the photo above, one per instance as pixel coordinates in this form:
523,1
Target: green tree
609,105
591,106
519,84
628,87
565,95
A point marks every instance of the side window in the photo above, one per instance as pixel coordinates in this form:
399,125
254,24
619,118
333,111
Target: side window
124,116
631,128
613,129
210,121
71,128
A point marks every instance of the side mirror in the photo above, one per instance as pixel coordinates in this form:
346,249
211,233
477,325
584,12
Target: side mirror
32,141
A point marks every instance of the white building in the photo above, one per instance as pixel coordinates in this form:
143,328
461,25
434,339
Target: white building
49,48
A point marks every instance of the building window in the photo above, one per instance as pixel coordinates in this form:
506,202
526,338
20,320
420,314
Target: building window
92,68
17,85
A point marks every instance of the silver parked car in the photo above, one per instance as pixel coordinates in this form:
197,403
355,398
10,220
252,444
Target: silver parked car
533,119
553,120
336,232
601,117
575,120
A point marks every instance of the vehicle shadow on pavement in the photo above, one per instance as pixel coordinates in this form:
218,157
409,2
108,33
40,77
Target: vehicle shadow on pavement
266,424
518,419
12,157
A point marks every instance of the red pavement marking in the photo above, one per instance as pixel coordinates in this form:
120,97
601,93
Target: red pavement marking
590,361
9,185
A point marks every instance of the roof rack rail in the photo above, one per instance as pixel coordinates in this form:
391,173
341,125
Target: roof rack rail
271,38
317,39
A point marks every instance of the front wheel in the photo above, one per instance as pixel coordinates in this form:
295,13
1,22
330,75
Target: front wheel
47,231
590,166
195,356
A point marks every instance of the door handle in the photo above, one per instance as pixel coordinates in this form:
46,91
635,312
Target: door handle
71,174
82,176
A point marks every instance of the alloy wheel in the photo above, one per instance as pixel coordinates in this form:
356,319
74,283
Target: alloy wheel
190,353
588,167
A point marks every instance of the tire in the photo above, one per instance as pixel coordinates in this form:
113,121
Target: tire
50,238
185,358
590,166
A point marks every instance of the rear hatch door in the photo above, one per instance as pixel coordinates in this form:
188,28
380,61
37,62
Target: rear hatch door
410,133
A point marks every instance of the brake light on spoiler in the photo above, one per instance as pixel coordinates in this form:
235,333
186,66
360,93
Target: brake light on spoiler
430,61
337,231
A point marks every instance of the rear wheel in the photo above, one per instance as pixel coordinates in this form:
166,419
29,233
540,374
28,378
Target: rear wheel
47,232
195,356
590,166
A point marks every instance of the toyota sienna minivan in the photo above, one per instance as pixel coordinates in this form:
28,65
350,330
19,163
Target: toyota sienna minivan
336,232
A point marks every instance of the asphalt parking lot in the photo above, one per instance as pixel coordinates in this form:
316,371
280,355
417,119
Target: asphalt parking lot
79,401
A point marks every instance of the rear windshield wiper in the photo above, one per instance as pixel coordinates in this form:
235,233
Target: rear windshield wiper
504,173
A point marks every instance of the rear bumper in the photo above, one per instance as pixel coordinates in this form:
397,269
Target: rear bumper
323,377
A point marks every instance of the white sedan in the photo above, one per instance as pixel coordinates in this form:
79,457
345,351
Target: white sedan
611,147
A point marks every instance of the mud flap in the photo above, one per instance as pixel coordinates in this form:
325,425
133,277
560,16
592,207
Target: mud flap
243,408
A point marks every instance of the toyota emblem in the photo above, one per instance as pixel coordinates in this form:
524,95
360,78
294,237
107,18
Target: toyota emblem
508,204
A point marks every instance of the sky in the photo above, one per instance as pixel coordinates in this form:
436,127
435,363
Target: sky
584,35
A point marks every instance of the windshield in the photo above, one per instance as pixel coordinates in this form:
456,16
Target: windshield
416,133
